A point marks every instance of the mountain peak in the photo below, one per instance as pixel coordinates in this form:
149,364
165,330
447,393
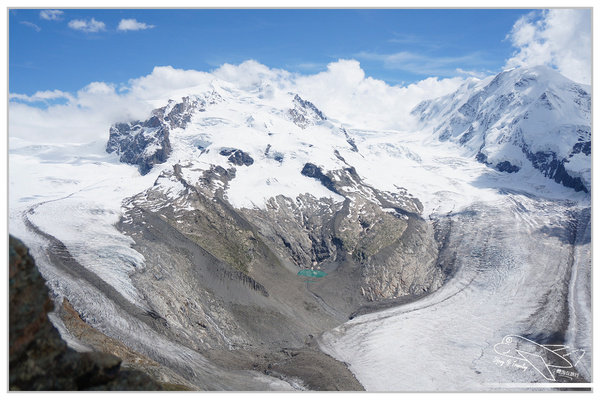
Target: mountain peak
305,113
524,116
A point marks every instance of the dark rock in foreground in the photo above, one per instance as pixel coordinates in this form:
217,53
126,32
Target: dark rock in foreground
38,357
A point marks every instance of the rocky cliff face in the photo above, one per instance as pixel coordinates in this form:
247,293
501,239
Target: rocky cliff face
380,233
146,143
304,113
38,358
141,143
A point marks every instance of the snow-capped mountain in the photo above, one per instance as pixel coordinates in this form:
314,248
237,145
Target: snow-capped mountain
237,235
265,156
522,116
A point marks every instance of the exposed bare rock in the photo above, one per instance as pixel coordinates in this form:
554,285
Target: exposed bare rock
141,143
38,358
146,143
304,113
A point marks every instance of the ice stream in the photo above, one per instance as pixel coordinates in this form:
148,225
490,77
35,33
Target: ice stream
514,262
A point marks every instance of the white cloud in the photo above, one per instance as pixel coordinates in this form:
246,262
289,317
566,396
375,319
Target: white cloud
87,25
343,92
132,25
31,25
559,38
475,74
164,80
41,96
252,74
83,117
51,15
420,64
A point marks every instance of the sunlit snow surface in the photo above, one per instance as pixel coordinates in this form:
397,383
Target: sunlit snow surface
508,283
506,227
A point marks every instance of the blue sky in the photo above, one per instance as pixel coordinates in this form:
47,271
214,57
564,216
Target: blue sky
67,50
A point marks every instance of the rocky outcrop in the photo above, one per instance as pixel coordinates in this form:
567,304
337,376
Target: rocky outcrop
350,140
304,113
553,167
147,143
503,166
381,234
312,171
178,115
38,358
141,143
237,157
